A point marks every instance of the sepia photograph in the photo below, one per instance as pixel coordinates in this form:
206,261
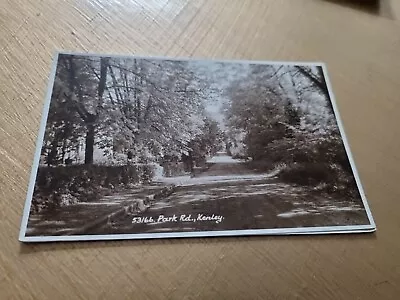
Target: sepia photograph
140,147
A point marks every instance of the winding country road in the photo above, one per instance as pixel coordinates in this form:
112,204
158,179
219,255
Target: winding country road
228,190
241,198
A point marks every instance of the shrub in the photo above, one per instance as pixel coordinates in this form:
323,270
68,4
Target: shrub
307,174
329,178
82,182
261,165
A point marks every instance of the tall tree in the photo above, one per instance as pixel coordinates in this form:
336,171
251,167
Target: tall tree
159,104
85,93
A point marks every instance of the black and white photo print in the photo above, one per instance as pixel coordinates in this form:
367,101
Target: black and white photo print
136,147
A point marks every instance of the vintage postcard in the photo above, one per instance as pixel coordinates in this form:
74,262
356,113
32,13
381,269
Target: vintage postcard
140,147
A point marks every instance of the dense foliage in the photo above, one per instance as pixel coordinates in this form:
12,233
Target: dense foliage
283,116
59,186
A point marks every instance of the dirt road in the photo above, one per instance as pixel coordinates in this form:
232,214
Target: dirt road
227,196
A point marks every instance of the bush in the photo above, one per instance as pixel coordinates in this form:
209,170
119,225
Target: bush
307,174
329,178
261,165
62,185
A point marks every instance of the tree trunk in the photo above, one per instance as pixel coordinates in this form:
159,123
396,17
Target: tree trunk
52,156
63,151
89,146
191,163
